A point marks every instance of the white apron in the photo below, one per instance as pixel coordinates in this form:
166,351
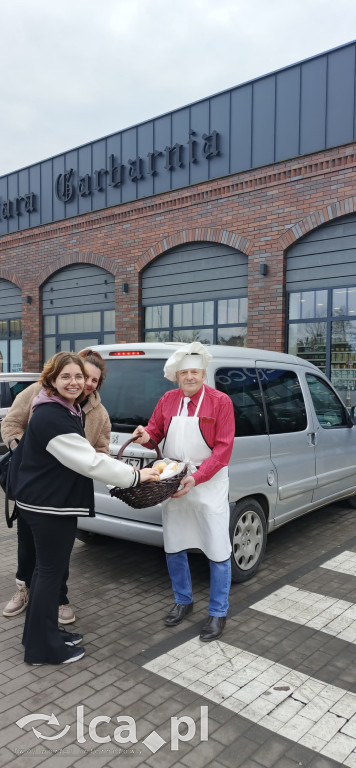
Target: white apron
200,519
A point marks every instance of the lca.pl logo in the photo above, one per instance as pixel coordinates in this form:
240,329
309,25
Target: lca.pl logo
182,728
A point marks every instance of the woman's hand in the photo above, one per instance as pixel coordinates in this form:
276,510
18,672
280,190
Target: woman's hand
148,474
188,483
140,435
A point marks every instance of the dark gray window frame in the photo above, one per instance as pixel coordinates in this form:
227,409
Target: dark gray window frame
212,326
329,318
10,337
325,318
89,334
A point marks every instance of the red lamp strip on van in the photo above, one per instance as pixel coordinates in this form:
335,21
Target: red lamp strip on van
125,354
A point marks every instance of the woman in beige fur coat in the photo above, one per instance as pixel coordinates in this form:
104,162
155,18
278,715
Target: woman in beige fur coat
97,431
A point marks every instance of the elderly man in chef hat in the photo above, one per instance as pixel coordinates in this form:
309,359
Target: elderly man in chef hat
198,424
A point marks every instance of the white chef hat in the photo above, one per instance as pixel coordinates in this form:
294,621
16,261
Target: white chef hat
195,355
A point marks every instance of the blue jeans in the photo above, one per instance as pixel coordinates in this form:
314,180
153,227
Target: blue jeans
220,582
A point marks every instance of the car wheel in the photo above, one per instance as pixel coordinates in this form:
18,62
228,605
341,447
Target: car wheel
248,535
352,501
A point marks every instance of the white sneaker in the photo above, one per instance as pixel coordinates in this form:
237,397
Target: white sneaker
18,602
66,614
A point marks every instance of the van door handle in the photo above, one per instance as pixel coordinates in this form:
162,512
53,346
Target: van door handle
311,438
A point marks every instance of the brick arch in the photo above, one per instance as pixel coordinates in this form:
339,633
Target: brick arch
69,260
6,274
200,234
316,219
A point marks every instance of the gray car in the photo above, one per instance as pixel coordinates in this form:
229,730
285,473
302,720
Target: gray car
294,450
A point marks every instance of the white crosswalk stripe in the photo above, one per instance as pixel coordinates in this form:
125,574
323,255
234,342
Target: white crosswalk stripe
335,617
343,563
301,708
290,703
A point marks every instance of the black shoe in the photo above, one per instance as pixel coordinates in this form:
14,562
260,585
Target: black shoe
177,614
213,628
70,638
75,655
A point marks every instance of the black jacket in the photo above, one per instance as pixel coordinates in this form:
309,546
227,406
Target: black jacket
53,467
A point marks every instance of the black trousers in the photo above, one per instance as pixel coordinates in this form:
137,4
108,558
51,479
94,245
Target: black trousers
54,538
26,559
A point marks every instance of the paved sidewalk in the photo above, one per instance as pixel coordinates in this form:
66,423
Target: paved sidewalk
120,592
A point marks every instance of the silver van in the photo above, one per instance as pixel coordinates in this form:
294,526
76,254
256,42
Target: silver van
294,451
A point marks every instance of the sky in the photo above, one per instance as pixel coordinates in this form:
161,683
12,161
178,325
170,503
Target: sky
73,71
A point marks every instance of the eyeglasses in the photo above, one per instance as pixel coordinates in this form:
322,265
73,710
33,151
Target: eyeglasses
67,377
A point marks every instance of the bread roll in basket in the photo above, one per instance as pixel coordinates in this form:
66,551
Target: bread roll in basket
150,493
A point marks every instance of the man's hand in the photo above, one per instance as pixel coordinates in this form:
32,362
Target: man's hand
188,483
140,435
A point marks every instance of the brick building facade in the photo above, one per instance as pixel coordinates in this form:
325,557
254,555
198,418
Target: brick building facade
260,213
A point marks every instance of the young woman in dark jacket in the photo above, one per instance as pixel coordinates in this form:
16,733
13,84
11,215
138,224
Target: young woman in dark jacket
97,430
52,475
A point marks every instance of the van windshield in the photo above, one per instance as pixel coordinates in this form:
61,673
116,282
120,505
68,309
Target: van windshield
131,391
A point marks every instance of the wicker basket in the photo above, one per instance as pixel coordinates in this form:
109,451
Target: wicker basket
150,493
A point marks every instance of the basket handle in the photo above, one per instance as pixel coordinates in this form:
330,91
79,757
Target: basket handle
156,448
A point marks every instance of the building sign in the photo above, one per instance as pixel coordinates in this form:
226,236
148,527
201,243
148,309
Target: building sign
296,111
17,206
116,173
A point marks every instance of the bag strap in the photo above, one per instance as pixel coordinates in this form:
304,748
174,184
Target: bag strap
14,515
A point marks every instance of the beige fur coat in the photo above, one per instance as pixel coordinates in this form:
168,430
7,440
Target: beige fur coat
97,422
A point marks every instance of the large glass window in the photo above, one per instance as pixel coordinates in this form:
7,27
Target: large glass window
11,345
73,331
343,343
218,321
79,322
193,313
308,340
322,329
234,336
204,335
308,304
344,301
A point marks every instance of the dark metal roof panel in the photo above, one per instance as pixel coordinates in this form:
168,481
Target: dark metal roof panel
303,108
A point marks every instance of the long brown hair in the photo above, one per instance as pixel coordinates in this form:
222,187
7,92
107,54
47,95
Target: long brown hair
55,365
90,356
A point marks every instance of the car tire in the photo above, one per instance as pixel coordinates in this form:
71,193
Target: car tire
352,501
248,536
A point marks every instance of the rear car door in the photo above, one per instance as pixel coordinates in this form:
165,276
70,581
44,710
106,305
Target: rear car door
291,434
250,462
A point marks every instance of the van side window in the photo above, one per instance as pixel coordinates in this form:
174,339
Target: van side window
241,384
329,409
18,386
5,396
286,411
